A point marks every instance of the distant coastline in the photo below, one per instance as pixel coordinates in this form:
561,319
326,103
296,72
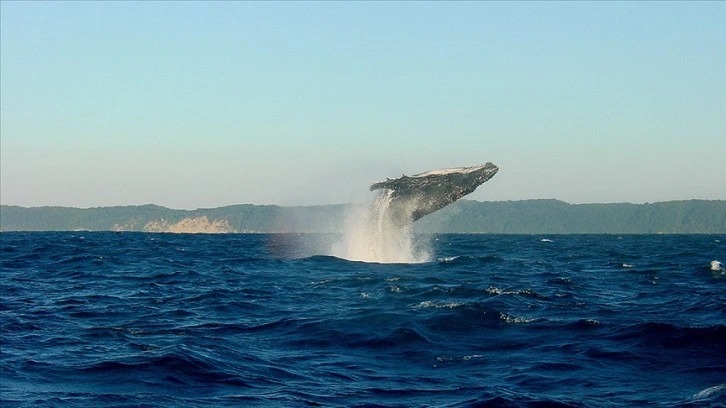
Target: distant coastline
465,216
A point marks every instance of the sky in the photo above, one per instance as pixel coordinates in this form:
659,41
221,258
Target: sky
206,104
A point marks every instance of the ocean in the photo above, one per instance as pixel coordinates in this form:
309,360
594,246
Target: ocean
101,319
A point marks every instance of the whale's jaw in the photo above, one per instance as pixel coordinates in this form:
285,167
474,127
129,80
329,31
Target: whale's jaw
413,197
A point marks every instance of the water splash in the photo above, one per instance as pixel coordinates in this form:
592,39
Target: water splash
374,234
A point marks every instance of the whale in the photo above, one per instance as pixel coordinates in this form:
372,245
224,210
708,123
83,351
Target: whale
413,197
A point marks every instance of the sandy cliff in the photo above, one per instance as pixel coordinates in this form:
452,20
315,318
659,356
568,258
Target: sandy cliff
200,225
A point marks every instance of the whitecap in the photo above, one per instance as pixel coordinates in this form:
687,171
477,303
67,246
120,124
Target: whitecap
716,266
709,392
447,359
436,305
627,265
493,290
321,282
448,259
514,319
590,322
546,240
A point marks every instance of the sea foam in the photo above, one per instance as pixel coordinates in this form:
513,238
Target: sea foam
371,235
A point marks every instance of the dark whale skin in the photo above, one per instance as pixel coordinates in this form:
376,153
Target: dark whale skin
413,197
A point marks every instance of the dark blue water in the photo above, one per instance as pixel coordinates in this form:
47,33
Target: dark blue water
163,320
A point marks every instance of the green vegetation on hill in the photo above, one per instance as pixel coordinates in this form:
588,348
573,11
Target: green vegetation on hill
557,217
505,217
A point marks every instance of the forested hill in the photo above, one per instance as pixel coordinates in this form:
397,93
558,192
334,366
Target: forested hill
508,217
557,217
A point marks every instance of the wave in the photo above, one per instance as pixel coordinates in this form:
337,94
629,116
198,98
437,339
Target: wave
490,321
673,336
492,290
710,393
515,402
437,305
176,368
349,335
468,259
465,318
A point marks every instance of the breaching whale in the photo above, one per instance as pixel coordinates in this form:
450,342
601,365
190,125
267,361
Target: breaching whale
413,197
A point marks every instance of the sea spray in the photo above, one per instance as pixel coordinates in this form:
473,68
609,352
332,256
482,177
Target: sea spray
373,234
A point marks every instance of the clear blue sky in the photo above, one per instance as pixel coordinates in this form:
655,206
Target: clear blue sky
190,105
